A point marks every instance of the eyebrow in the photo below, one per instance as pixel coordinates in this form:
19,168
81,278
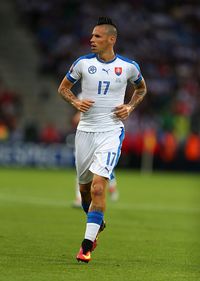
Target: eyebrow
96,34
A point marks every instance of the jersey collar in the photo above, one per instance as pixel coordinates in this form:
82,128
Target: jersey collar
106,62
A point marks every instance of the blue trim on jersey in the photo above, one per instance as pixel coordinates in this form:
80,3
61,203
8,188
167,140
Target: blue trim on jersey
121,138
89,56
134,63
138,80
106,62
112,176
71,79
130,61
95,217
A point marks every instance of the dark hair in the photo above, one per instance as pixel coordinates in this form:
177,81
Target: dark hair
105,20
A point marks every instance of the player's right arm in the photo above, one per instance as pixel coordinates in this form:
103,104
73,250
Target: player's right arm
65,91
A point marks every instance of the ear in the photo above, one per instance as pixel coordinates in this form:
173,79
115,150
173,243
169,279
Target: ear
112,39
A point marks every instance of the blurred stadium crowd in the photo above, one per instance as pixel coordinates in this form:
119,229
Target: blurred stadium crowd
162,36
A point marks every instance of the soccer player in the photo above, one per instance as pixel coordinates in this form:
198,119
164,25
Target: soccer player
104,76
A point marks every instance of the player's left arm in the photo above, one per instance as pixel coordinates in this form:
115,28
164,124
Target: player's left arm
124,110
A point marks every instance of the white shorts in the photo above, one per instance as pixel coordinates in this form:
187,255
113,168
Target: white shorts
97,153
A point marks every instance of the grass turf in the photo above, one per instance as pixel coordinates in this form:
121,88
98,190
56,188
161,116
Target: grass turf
152,232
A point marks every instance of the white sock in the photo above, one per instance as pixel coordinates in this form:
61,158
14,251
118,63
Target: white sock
91,231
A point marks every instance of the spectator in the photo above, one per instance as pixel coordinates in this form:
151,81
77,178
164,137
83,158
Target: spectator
50,134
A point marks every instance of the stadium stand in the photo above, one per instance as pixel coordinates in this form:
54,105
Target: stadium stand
162,36
19,69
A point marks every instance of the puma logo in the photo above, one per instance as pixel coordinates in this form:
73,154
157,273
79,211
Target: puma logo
106,70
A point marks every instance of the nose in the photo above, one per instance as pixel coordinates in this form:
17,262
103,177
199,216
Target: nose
92,39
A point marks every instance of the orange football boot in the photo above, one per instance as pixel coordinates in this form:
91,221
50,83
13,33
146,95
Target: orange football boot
83,257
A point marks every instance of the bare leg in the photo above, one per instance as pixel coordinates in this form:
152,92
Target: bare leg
77,201
95,193
98,194
85,190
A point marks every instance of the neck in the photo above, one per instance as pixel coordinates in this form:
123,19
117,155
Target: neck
106,56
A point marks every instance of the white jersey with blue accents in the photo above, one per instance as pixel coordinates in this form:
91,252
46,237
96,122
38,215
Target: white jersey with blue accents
104,83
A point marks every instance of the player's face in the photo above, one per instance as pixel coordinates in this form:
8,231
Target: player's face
100,40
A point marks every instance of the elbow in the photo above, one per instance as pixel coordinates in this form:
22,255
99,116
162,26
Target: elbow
141,88
60,91
144,90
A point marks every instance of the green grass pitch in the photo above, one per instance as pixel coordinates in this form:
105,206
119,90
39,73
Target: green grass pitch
152,234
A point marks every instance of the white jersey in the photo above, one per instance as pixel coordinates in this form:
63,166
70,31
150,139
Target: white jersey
104,83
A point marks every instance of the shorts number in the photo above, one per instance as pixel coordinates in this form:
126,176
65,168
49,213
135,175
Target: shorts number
103,91
110,158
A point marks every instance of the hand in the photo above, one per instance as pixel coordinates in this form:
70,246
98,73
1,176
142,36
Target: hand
83,105
122,111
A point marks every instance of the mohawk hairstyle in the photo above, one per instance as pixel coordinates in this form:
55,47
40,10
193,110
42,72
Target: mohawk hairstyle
105,20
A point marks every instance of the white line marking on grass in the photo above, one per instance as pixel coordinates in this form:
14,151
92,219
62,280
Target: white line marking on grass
149,207
33,201
119,206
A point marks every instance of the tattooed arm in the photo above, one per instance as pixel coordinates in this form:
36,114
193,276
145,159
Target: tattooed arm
123,111
65,91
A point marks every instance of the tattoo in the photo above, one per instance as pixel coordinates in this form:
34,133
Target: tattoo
94,208
67,95
136,99
138,95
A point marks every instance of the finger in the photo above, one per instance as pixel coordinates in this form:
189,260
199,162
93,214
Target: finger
119,107
83,109
90,102
122,116
86,105
119,112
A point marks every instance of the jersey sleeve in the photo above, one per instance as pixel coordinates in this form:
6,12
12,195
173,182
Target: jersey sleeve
74,73
135,73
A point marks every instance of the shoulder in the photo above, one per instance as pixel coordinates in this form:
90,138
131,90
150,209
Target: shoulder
129,61
85,57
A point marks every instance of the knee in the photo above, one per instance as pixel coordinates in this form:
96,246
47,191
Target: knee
97,189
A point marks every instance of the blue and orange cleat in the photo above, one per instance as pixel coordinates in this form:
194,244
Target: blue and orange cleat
83,257
87,256
103,225
94,244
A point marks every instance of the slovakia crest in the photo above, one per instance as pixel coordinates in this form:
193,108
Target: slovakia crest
118,71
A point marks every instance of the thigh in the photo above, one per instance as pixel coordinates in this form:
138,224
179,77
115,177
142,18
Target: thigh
84,150
107,152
